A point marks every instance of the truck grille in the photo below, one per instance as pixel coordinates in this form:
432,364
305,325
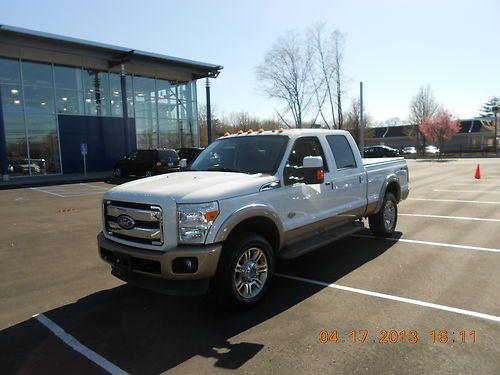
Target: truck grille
135,222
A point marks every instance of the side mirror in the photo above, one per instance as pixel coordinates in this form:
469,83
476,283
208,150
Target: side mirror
313,170
183,163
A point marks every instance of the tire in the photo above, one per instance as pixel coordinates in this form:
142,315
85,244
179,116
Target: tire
383,223
238,282
119,173
148,173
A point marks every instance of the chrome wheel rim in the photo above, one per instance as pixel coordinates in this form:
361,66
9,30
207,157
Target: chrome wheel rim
389,215
118,172
250,273
148,174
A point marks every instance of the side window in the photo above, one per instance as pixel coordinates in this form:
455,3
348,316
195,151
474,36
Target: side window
133,155
306,146
342,151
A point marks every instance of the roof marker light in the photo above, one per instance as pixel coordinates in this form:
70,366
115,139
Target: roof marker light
226,134
261,130
280,130
239,132
249,131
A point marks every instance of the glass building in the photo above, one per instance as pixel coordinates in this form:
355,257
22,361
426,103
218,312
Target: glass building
58,93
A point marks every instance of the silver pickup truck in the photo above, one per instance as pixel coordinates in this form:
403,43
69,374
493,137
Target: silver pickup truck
246,201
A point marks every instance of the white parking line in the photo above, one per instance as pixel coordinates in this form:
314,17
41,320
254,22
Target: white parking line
80,348
451,217
451,200
475,184
394,298
48,192
464,247
468,191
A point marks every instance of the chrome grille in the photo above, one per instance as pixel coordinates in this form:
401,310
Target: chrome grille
135,222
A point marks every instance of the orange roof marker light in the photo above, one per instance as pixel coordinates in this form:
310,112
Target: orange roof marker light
226,134
239,132
249,131
261,130
280,130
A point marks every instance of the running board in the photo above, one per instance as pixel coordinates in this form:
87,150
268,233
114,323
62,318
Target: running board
321,239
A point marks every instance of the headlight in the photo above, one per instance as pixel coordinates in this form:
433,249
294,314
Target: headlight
195,221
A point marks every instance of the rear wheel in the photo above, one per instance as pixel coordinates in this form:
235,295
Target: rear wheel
383,223
148,173
119,172
245,271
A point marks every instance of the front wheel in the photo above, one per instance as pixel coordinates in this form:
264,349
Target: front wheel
383,223
148,173
245,271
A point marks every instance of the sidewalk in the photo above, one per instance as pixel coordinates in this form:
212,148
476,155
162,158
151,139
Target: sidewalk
33,181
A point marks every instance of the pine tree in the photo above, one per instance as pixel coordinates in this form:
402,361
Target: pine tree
487,108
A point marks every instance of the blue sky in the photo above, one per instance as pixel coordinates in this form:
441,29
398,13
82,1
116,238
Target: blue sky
393,46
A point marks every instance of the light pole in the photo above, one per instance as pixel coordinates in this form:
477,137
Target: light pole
495,110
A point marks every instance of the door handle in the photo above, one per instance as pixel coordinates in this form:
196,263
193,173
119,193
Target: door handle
328,183
360,179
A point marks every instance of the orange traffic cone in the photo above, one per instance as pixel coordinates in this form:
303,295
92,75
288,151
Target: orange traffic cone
478,172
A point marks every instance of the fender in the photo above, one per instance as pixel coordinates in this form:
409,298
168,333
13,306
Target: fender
248,212
390,179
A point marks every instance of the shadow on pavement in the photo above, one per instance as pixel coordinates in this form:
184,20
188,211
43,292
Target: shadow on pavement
147,333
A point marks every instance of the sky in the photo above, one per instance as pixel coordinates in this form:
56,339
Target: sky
393,46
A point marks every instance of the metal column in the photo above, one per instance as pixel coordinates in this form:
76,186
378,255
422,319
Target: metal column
4,164
123,82
209,114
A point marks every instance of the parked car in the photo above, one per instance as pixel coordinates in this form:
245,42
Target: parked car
247,201
380,151
409,150
431,149
25,165
147,163
189,153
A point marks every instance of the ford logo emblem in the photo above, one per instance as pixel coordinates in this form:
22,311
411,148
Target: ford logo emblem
126,222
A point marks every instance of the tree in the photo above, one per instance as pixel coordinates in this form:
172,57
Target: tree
328,78
285,75
439,128
352,121
422,106
487,108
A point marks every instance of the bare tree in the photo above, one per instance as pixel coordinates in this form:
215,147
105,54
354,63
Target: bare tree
328,78
285,75
422,106
352,121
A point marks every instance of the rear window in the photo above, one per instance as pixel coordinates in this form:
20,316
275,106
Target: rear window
342,152
168,155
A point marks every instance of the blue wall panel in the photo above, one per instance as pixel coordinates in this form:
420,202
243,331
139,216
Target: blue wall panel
105,140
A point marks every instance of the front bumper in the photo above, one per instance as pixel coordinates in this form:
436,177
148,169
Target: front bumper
134,264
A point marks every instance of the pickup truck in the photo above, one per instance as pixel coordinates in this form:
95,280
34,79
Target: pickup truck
248,200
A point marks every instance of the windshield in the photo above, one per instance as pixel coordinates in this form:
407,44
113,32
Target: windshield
247,154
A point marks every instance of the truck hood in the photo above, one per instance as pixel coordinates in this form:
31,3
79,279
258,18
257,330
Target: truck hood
190,187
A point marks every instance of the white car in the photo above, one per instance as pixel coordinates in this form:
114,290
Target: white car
431,149
247,200
409,150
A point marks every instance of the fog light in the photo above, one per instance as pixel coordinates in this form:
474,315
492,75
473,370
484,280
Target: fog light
185,265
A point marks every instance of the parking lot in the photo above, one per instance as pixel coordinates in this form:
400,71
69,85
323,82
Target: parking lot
440,272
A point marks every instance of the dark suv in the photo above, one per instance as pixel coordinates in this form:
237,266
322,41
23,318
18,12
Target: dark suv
147,163
189,153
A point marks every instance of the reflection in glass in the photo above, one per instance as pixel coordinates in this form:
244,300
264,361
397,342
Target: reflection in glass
169,134
9,71
96,89
67,77
144,97
17,149
43,144
39,100
69,102
147,133
37,74
12,98
115,87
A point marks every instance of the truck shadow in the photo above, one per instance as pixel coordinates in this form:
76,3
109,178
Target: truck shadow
147,333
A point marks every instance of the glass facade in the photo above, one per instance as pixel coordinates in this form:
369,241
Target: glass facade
34,94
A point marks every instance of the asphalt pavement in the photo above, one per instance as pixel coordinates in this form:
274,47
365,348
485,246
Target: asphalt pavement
425,301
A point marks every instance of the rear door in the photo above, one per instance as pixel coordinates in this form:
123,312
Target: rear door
348,185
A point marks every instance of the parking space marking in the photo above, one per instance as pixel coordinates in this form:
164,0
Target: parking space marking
48,192
394,298
475,184
451,200
468,191
80,348
450,217
440,244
